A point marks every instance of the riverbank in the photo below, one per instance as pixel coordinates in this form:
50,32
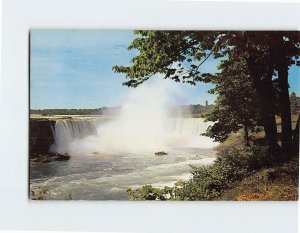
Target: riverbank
239,173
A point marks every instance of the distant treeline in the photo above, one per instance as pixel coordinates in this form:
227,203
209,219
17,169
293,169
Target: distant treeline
197,109
200,109
95,111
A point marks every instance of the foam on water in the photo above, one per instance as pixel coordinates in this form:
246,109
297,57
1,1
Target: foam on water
89,177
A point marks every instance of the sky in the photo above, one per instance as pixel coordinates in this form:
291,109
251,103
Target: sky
73,69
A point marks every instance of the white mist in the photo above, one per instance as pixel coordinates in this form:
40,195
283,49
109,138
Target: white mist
143,126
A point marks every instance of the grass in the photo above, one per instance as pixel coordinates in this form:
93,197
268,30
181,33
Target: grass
279,183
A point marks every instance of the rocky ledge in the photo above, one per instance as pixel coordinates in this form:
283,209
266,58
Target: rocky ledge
42,158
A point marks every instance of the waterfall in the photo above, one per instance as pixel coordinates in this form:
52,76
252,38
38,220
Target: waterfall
67,131
189,126
108,135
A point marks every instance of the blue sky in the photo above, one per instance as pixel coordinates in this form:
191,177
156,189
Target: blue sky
73,69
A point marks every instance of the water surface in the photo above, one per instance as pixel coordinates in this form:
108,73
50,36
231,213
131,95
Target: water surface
107,177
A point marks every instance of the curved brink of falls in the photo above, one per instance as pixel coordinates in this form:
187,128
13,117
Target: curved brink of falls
110,136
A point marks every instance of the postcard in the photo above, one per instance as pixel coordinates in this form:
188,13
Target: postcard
164,115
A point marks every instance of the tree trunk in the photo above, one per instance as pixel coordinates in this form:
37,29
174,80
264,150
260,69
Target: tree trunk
269,123
246,135
296,138
264,88
296,131
285,108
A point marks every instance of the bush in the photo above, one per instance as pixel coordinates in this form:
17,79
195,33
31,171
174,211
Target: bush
147,192
232,164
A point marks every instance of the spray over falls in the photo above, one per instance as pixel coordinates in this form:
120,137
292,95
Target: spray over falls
144,125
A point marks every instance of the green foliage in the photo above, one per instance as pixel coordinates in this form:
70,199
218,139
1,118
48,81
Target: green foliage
236,105
148,192
179,54
238,161
175,54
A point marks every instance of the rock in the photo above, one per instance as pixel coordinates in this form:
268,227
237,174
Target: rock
160,153
47,158
63,157
40,137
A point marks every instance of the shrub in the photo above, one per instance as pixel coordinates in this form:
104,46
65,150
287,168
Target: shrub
147,192
205,184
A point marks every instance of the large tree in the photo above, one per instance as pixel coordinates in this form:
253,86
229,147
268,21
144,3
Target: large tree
269,55
286,46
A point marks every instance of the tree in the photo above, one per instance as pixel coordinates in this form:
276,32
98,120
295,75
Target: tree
283,49
256,51
236,105
175,54
277,51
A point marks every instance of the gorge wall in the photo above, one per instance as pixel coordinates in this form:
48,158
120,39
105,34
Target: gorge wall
40,136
